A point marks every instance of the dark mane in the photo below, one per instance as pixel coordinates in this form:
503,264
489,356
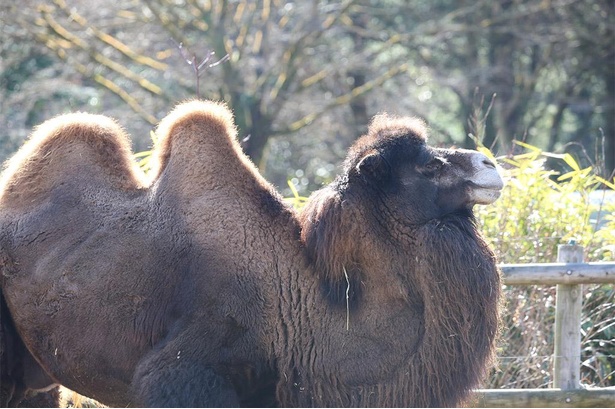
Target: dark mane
456,271
329,241
387,133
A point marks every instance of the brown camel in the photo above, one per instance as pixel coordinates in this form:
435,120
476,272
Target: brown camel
200,287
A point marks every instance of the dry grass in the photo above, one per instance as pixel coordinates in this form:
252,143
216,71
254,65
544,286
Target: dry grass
70,399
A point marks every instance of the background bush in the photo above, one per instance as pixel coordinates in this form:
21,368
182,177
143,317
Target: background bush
539,209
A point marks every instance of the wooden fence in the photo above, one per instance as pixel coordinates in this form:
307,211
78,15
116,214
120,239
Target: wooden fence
569,274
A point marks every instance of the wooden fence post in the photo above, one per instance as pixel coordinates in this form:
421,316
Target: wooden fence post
567,354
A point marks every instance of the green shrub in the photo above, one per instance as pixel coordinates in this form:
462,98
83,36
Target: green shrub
538,210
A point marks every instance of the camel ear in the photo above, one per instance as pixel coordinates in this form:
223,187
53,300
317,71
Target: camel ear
373,165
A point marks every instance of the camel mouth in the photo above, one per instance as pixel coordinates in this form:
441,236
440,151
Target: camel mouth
484,195
486,184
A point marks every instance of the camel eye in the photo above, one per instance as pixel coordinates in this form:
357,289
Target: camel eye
433,166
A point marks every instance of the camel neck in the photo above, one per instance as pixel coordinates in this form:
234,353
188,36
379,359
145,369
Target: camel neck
411,314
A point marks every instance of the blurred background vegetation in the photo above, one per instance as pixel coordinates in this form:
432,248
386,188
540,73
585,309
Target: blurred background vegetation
304,77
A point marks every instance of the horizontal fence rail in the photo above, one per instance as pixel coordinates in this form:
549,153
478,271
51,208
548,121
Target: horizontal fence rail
558,273
568,274
545,398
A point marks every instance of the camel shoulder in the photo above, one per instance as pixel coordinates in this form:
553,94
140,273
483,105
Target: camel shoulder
90,151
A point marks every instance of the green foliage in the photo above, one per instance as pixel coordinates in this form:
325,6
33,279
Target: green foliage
297,201
538,210
144,158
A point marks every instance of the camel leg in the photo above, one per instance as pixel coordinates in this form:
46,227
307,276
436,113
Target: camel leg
21,377
180,382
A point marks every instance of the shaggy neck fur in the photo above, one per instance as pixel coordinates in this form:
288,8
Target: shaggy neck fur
446,281
457,275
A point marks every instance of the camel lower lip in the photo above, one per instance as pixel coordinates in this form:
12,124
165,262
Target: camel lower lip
486,195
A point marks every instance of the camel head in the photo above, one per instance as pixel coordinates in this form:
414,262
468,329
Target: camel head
416,182
393,183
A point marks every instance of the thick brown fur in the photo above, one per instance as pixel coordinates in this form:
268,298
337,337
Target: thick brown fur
200,287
